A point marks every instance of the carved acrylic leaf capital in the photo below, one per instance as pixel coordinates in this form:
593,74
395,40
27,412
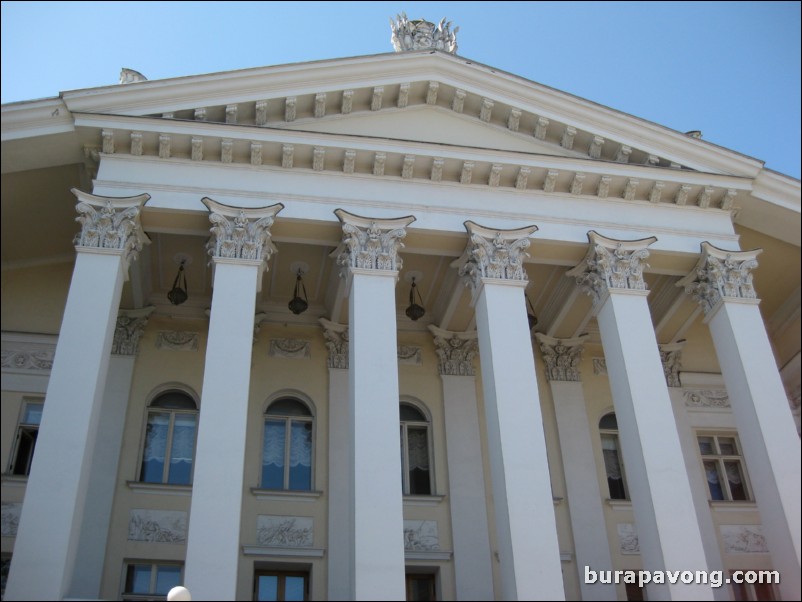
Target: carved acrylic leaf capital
561,356
455,351
720,275
370,243
129,329
612,264
336,336
494,253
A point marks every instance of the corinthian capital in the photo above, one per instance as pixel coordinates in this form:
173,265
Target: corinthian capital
336,336
110,224
455,351
721,275
671,358
561,356
493,253
129,329
612,265
370,243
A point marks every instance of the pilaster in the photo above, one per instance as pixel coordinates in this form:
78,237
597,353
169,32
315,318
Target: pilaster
50,525
722,284
662,501
466,479
562,358
240,248
369,259
529,555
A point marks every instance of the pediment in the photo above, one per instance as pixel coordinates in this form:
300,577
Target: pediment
433,125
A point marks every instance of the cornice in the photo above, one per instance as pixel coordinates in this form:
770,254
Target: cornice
35,118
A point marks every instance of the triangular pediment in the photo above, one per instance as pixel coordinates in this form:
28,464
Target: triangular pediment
434,125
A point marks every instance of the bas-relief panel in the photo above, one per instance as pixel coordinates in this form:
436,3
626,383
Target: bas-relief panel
421,535
285,531
743,539
176,340
9,518
628,539
157,526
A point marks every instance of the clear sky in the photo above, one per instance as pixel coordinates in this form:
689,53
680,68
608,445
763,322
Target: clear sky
729,69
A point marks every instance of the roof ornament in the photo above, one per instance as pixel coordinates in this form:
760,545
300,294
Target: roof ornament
129,76
421,34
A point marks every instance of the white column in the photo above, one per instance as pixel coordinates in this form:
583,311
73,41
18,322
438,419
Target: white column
103,479
45,550
240,248
722,283
591,546
340,586
671,355
526,529
369,256
466,481
669,536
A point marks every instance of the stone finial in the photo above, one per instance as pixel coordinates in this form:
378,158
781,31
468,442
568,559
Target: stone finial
720,275
612,265
110,224
671,358
130,76
455,351
494,254
561,356
129,329
336,336
420,34
241,234
370,243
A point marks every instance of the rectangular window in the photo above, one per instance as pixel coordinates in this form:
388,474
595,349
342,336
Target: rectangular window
421,587
281,585
147,581
25,441
751,591
724,468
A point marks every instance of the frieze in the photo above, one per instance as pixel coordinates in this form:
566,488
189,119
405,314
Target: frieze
36,360
177,340
290,348
157,526
285,531
421,536
743,539
706,398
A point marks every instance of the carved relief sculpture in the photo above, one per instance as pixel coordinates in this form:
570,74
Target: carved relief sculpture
129,329
455,351
561,356
370,244
336,336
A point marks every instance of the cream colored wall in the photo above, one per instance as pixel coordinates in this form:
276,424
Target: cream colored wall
33,298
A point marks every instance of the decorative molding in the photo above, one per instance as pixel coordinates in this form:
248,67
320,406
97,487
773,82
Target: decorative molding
108,141
420,35
567,141
241,234
349,161
612,265
285,531
467,172
256,153
226,151
721,275
421,536
378,163
376,101
129,330
177,340
495,175
431,93
9,518
409,354
157,526
494,254
136,144
455,351
628,543
652,160
110,224
706,398
576,184
200,114
656,192
623,154
231,113
603,190
290,108
514,120
595,150
285,495
630,189
26,356
437,169
599,365
336,336
550,182
290,348
287,155
348,100
562,357
261,112
487,110
370,244
197,148
522,179
705,196
164,146
729,199
320,105
743,539
403,95
681,197
671,358
408,168
318,158
541,128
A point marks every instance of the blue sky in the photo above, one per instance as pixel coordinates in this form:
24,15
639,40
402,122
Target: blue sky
729,69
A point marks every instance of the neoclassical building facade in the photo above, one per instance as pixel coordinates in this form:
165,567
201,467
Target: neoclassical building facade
400,326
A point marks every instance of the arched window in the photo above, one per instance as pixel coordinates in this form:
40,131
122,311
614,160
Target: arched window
613,466
415,459
170,439
287,449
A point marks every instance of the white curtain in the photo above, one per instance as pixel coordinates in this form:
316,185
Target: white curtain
156,438
612,462
273,448
733,472
183,439
418,449
301,444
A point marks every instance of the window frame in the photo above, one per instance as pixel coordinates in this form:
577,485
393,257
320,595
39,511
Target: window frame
281,585
288,422
613,434
153,409
26,428
126,594
404,443
721,459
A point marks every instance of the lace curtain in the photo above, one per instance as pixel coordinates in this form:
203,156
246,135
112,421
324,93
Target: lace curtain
183,443
156,437
612,462
300,443
183,439
418,449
